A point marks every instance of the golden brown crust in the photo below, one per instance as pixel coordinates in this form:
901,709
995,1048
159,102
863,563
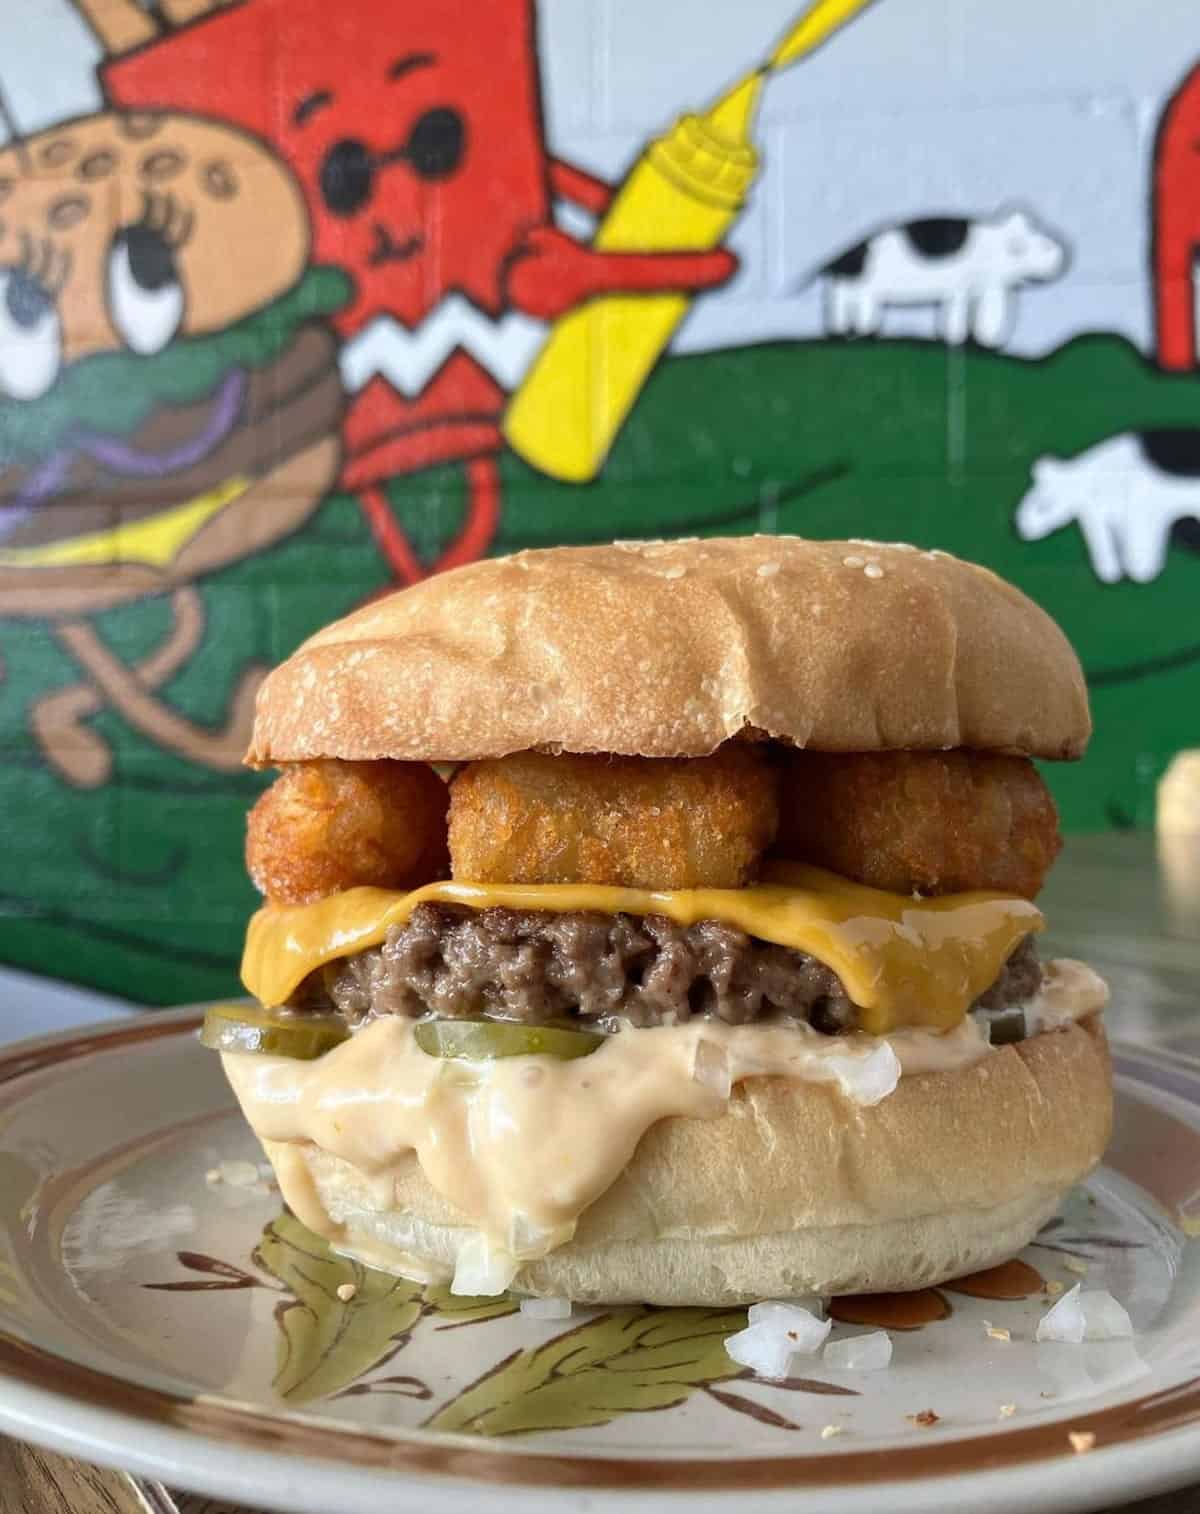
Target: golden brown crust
328,825
793,1191
937,822
633,822
668,650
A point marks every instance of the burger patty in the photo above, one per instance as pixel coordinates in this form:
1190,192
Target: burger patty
535,966
288,405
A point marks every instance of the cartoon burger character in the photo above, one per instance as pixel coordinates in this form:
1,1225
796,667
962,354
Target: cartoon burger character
168,401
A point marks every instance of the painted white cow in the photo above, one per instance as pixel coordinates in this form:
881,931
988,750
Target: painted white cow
1127,495
969,268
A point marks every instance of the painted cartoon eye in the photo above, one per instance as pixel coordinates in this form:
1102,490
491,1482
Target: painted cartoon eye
347,177
436,143
145,296
30,336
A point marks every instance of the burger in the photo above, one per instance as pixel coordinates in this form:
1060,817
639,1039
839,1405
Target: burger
656,922
169,397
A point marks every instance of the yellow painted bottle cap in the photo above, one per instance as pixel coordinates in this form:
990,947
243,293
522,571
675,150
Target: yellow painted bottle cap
712,155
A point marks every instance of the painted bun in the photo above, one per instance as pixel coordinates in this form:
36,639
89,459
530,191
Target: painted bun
783,1195
273,505
669,649
207,186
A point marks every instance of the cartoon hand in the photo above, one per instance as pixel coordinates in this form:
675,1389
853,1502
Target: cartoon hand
550,272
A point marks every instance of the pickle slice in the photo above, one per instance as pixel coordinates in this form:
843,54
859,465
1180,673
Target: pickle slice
484,1040
271,1032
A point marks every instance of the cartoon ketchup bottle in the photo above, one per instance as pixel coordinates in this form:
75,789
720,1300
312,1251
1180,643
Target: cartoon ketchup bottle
684,192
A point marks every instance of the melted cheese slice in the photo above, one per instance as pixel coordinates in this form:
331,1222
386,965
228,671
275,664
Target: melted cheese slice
903,961
157,540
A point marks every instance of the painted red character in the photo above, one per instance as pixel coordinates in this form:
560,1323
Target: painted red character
416,129
1177,225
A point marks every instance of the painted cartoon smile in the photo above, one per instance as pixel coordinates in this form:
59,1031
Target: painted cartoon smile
385,248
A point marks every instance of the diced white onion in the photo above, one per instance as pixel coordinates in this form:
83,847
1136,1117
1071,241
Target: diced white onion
861,1353
710,1067
481,1270
771,1312
239,1174
1091,1316
526,1239
1063,1321
776,1333
765,1350
1104,1318
546,1308
867,1079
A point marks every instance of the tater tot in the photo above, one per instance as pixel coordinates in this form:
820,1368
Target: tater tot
936,822
329,825
638,822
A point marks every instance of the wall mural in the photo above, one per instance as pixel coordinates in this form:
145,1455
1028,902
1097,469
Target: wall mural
302,302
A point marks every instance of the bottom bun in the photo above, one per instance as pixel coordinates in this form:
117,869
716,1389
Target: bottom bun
792,1191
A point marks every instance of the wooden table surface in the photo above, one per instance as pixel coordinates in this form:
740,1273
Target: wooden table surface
1127,904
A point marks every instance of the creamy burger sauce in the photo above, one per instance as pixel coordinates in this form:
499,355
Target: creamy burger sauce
522,1145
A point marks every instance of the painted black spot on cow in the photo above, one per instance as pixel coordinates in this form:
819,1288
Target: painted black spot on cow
938,236
850,264
1186,533
1172,449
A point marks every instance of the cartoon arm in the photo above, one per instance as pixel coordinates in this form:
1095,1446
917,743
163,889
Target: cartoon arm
550,272
567,182
1176,226
1174,288
119,25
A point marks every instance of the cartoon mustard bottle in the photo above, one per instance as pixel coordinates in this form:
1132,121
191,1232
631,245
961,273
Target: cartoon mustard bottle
684,192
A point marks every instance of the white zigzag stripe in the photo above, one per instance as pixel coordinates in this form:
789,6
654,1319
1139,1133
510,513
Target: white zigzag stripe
409,359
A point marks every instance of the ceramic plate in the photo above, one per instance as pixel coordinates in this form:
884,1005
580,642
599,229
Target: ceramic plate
186,1328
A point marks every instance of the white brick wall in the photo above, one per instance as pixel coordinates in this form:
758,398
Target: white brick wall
918,107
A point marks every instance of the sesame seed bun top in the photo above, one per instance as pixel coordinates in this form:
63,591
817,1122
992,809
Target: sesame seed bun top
668,649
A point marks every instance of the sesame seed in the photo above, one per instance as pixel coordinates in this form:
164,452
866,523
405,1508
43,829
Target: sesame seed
873,570
1007,1411
1054,1288
853,561
213,1176
829,1431
1073,1264
1081,1440
675,571
767,569
997,1333
346,1292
